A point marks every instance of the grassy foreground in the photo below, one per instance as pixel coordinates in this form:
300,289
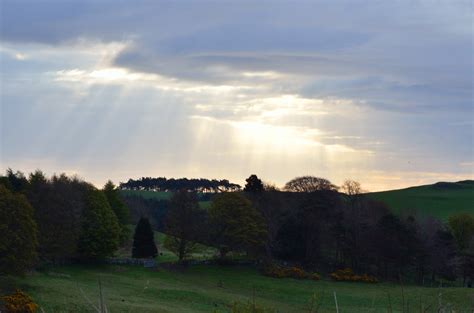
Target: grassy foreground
208,288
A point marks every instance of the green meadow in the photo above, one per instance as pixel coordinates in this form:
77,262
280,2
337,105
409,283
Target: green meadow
439,200
213,288
158,195
208,288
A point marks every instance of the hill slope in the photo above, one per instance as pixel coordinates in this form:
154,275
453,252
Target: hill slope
438,200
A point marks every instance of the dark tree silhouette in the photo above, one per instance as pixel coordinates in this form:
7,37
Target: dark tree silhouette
143,240
254,184
193,184
59,201
120,210
18,240
182,223
309,184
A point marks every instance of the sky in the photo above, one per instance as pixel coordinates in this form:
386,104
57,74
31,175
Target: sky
376,91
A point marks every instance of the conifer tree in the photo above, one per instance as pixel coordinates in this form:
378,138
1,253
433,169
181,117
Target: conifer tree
120,210
143,240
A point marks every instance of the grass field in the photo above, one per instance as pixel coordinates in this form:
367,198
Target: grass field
438,200
208,288
158,195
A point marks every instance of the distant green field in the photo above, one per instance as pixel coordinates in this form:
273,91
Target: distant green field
158,195
209,288
439,200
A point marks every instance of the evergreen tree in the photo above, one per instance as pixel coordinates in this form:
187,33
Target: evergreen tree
58,201
143,240
254,184
100,229
120,210
18,233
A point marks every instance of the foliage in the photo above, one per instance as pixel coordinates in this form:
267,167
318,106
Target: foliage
18,242
254,184
100,229
181,248
183,223
164,184
309,184
17,181
119,208
235,225
19,302
142,204
143,240
277,271
348,275
462,228
58,201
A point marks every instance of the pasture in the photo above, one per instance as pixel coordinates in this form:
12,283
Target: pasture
209,288
439,200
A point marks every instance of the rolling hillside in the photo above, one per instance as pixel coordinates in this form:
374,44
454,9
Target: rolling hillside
438,200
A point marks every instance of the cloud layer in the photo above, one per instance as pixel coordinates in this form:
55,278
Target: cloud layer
368,90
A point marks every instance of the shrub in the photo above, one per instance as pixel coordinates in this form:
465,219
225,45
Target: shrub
19,302
277,271
348,275
315,276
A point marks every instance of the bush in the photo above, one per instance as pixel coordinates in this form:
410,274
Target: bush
19,302
277,271
348,275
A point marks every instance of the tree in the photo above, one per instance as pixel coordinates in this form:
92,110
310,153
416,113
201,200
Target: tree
143,240
182,224
254,184
120,210
100,228
462,228
17,181
235,225
59,201
18,243
267,186
309,184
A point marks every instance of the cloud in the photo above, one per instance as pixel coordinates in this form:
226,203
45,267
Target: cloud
225,89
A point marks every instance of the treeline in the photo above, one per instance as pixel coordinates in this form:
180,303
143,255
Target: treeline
57,219
172,185
312,224
318,226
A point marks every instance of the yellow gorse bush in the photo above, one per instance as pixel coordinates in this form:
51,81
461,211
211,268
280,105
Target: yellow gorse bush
348,275
289,272
19,302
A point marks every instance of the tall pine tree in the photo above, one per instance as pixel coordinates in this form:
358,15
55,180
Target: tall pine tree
120,210
143,240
